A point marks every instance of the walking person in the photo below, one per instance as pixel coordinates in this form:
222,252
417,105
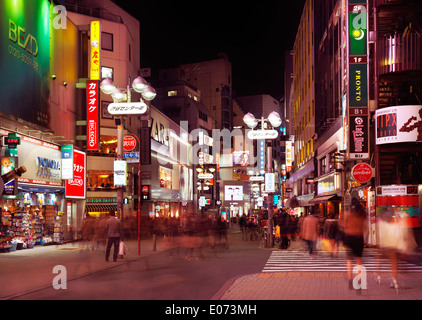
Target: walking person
394,237
310,232
113,231
354,227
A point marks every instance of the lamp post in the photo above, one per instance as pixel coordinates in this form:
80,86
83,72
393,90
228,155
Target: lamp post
139,85
265,134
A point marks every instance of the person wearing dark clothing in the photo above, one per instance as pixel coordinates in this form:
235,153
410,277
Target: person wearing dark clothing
284,223
113,231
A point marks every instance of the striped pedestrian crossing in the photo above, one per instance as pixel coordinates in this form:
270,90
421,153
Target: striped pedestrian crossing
299,261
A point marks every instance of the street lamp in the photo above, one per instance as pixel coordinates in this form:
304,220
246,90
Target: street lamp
139,85
275,121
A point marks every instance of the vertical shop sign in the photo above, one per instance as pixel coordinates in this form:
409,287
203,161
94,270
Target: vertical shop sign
76,187
358,129
145,147
8,164
92,115
95,50
67,161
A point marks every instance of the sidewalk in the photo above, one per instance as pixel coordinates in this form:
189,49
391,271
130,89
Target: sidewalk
29,270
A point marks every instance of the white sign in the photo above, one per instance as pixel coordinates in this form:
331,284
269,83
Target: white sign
234,193
395,190
398,124
256,178
205,176
262,134
120,171
269,182
127,108
202,201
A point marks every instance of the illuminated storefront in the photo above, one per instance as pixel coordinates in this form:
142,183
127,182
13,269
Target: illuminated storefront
168,179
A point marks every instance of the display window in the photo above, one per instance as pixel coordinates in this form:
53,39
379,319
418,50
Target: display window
108,145
165,178
100,180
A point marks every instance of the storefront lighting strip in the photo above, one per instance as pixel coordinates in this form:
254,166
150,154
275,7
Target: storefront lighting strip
164,159
173,135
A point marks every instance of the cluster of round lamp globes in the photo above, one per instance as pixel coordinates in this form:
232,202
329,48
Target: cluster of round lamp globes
252,122
140,85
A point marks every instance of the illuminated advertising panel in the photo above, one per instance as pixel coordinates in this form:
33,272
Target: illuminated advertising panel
76,187
25,59
92,115
358,120
398,124
95,50
233,193
120,172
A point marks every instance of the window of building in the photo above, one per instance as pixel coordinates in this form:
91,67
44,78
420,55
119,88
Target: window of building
107,41
172,93
99,180
108,145
107,72
165,177
203,116
323,165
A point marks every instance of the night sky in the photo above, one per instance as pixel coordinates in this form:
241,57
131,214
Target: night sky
254,35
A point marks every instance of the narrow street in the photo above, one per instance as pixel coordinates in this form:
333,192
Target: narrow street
163,277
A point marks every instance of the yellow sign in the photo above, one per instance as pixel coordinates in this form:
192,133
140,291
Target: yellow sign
95,50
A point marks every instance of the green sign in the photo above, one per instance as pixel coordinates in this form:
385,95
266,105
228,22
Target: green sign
25,59
357,29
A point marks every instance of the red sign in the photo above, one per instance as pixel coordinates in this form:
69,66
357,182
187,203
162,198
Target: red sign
92,115
76,187
362,172
129,143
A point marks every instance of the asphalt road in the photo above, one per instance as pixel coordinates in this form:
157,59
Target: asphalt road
165,277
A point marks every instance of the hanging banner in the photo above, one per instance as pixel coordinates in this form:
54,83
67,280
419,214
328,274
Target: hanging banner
92,115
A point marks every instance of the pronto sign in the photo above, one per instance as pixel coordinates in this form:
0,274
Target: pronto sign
362,172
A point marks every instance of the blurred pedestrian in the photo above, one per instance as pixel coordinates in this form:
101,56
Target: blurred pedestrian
221,229
354,226
284,222
394,237
113,231
310,232
332,234
242,225
88,231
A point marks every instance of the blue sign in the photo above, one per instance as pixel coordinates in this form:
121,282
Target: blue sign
131,157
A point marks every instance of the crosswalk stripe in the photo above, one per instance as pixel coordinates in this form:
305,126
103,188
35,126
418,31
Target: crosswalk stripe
298,261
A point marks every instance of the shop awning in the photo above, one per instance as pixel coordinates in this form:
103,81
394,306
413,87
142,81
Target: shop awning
323,199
